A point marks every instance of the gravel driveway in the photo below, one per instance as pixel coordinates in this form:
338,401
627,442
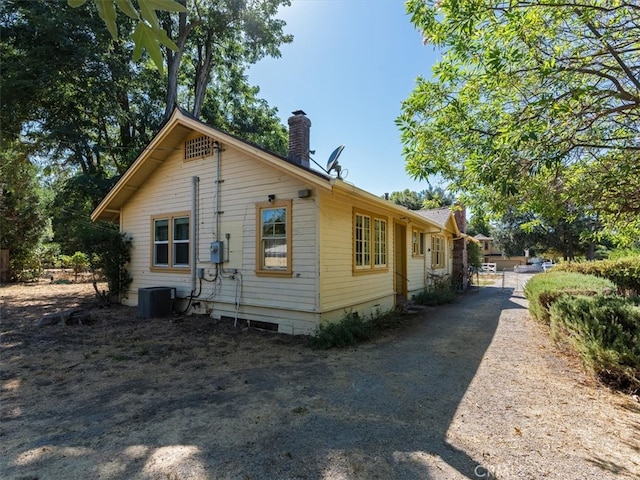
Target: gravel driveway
470,390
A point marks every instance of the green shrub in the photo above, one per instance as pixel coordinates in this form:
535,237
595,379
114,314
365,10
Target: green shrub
544,289
79,263
435,297
440,292
605,331
623,272
352,329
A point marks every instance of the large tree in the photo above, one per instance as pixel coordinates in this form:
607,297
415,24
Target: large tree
526,89
433,197
71,94
75,103
22,218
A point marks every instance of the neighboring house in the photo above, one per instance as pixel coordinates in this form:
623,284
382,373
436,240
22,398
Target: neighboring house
244,233
456,220
487,246
491,253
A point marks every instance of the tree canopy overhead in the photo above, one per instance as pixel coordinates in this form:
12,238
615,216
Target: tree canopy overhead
531,98
76,109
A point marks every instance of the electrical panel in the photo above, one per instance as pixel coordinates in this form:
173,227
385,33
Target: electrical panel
217,252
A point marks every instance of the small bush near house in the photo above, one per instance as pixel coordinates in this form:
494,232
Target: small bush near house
352,329
605,331
544,289
440,292
623,272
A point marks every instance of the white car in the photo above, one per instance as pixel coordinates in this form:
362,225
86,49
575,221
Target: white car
546,266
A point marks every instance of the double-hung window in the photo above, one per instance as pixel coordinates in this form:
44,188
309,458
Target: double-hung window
273,238
170,241
437,251
369,242
417,242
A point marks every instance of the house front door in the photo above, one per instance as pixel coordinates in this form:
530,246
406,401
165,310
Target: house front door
400,262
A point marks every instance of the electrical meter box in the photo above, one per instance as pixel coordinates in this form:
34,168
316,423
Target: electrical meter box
217,252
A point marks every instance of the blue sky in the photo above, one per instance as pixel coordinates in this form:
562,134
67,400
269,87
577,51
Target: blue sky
351,64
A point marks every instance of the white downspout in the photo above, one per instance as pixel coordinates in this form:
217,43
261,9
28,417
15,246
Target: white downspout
193,231
216,147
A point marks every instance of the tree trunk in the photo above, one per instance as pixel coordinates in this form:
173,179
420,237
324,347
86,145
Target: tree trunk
203,70
174,58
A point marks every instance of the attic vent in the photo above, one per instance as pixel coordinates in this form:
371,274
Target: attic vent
197,147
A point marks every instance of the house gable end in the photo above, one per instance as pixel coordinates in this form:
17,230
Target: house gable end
170,138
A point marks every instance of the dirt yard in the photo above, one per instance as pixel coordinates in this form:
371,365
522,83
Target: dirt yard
471,390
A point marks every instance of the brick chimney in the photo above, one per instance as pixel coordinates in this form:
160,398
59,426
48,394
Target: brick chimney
299,127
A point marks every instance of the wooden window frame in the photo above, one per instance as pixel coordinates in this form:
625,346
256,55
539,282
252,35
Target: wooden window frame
171,243
438,255
260,270
417,243
374,240
380,242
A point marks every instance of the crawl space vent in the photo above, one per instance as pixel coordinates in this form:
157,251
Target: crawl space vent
197,147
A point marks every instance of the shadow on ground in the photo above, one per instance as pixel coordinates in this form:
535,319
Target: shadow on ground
382,410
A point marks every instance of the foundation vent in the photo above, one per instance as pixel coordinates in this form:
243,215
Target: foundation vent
197,147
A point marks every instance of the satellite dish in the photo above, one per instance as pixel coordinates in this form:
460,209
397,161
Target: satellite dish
332,163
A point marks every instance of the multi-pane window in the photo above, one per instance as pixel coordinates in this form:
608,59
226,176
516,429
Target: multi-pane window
380,242
170,241
363,241
181,242
370,242
161,243
417,243
274,238
437,251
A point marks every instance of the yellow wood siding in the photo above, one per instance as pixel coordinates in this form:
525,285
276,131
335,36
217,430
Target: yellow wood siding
340,288
245,182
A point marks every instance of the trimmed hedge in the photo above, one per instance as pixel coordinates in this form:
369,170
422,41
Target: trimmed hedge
605,331
544,289
623,272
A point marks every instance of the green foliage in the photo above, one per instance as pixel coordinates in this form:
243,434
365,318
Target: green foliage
426,199
474,254
148,34
440,292
559,237
110,254
605,331
79,262
352,329
478,224
532,105
543,289
623,272
22,219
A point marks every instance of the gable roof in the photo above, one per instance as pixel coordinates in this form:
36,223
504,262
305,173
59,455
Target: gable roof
443,217
182,123
168,139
